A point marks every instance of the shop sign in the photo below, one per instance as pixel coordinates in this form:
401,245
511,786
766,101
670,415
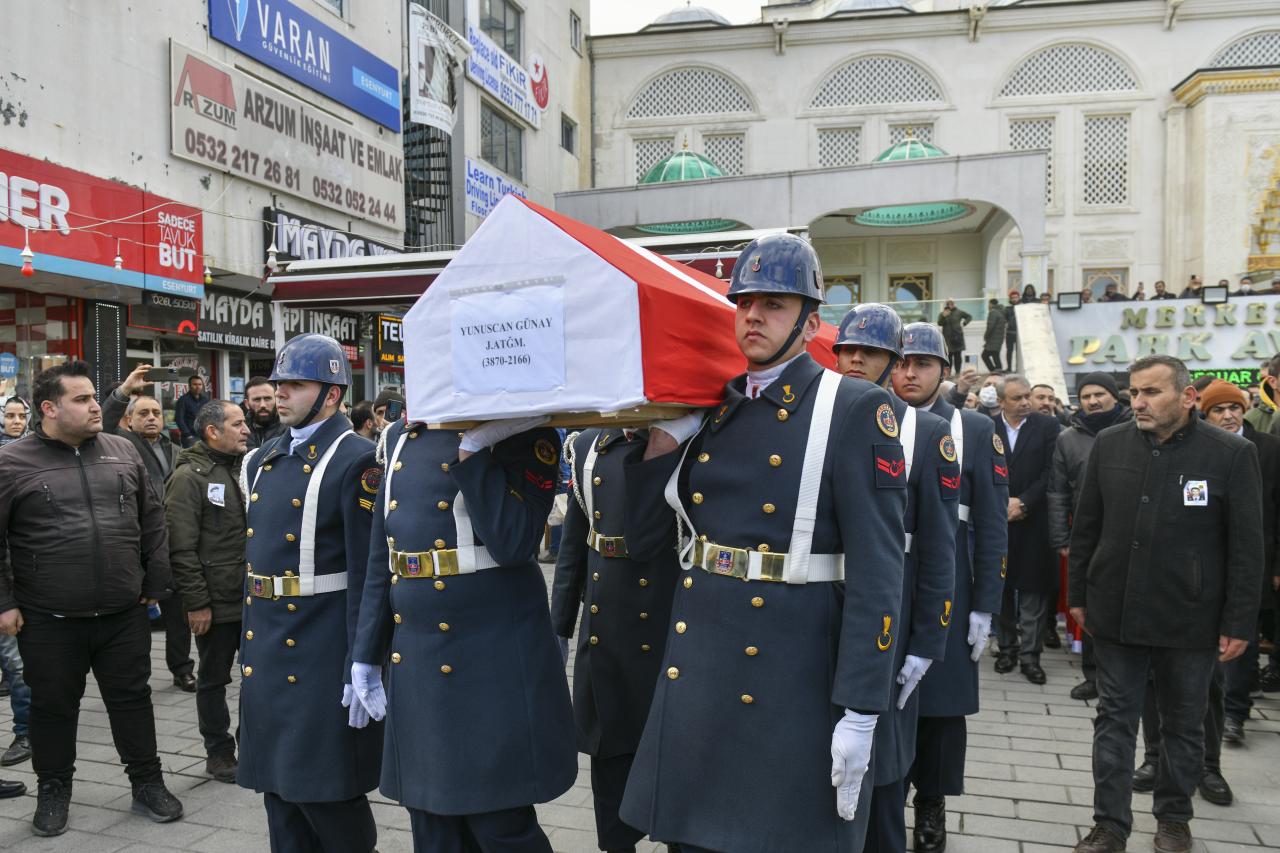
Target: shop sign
486,186
298,238
223,118
78,224
339,325
236,321
390,340
435,56
525,93
281,36
163,312
1241,333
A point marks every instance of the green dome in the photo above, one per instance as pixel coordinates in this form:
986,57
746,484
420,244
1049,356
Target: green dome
911,149
681,166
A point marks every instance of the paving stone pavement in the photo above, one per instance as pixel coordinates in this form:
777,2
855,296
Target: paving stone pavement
1028,783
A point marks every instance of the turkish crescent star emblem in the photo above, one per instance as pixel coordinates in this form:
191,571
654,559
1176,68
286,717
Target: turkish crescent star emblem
333,366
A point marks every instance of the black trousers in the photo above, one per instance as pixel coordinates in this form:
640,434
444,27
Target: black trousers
1010,343
1087,664
938,770
341,827
58,654
1239,675
1213,723
506,831
1181,681
177,637
217,647
608,781
956,356
991,358
887,828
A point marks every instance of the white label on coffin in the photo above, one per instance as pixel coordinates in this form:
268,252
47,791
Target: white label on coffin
508,337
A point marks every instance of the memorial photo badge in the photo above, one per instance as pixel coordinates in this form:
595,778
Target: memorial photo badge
1195,493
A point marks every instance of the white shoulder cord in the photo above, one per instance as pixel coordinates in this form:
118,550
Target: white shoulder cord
908,437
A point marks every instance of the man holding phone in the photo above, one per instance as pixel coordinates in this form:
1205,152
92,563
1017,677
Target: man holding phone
186,407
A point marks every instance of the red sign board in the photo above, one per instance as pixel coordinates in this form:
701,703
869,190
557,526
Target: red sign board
77,223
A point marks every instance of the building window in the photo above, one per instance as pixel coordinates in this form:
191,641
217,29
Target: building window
1098,279
568,134
689,91
649,151
1069,69
839,146
1106,160
843,289
500,21
726,150
920,130
575,32
1259,49
1028,134
335,5
873,80
501,142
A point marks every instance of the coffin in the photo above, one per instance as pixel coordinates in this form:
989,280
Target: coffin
541,315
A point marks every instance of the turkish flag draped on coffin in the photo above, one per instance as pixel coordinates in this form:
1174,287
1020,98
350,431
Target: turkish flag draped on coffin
541,314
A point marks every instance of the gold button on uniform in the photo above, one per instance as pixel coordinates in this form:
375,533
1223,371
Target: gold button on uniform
747,699
395,579
697,497
306,469
439,584
644,581
596,514
397,466
704,457
444,626
644,615
757,602
783,414
595,576
391,541
444,466
393,504
248,671
293,679
292,607
397,618
253,497
596,481
439,543
644,647
673,673
681,627
289,537
442,505
291,642
296,502
413,434
249,533
751,651
395,657
248,601
764,548
688,582
775,460
768,509
446,669
595,608
266,467
248,635
595,641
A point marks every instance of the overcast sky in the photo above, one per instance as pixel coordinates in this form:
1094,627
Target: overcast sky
627,16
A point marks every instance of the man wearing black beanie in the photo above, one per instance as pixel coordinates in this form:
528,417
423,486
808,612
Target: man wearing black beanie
1100,408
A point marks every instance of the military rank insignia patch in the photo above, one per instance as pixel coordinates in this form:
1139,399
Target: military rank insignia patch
949,483
1000,473
885,640
945,619
997,444
371,479
366,504
947,447
891,466
886,421
545,451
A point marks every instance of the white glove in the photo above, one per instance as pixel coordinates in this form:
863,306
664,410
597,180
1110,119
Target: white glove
850,756
682,428
913,669
488,434
357,716
563,643
979,633
366,680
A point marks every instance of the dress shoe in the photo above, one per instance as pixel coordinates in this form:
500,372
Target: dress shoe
1101,839
1033,673
153,800
1172,836
1215,789
1052,640
221,766
1270,681
53,798
186,682
1005,663
1085,691
1144,778
11,788
1232,731
5,689
18,752
930,832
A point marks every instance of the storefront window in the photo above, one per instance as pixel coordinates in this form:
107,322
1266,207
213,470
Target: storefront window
181,353
36,332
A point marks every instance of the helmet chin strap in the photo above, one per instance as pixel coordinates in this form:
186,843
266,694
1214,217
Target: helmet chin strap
317,405
798,329
883,381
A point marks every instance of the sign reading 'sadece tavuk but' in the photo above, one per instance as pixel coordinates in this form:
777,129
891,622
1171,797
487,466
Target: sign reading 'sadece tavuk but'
236,123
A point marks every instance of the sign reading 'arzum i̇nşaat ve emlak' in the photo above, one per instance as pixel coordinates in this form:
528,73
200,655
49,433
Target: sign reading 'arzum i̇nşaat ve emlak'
1242,331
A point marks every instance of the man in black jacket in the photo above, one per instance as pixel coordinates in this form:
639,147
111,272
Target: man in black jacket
1100,408
84,607
260,406
1030,589
1166,563
187,406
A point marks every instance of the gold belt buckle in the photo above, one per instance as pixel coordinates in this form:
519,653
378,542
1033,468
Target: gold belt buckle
413,564
291,586
261,586
609,546
772,566
446,562
723,560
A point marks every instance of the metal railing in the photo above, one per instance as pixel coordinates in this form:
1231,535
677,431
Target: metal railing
927,310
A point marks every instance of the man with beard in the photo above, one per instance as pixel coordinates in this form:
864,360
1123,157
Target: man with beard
260,405
1100,408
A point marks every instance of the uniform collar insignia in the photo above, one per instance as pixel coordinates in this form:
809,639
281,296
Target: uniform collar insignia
787,390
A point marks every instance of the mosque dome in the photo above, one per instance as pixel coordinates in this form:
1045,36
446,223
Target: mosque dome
855,6
681,166
689,14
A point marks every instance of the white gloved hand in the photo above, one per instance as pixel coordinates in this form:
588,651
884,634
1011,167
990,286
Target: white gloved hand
357,714
682,428
366,679
850,756
488,434
979,634
913,669
563,643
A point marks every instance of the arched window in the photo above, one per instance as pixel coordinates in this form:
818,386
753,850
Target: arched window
870,80
1069,69
687,92
1253,50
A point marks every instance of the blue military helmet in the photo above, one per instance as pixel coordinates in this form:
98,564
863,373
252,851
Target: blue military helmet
924,339
778,263
312,358
871,325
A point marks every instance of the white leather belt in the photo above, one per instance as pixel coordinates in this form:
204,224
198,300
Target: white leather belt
963,512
